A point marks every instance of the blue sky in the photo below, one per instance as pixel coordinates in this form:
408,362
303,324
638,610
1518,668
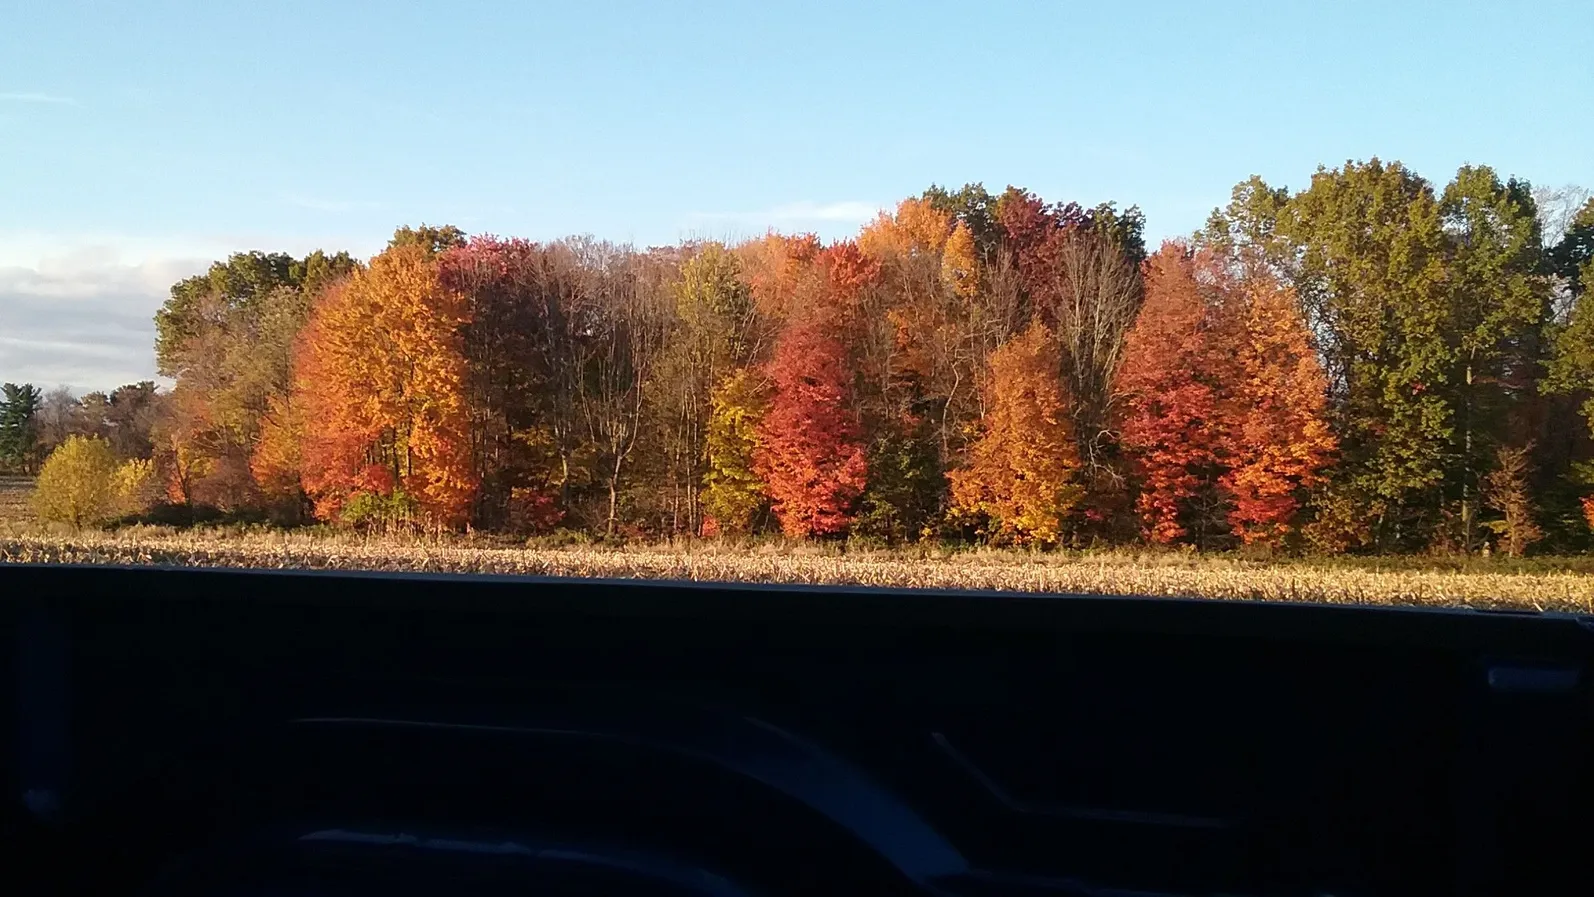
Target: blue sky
138,141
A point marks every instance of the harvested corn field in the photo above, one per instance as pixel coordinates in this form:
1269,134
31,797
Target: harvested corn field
1542,586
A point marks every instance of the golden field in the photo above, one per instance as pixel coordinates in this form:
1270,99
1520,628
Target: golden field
1564,584
1544,585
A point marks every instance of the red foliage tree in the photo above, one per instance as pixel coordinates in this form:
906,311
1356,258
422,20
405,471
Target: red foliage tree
1173,426
810,455
848,272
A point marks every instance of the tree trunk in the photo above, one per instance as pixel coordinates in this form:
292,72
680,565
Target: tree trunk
1466,465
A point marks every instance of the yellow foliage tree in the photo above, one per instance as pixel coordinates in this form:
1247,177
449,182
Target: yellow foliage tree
732,492
916,226
81,484
960,262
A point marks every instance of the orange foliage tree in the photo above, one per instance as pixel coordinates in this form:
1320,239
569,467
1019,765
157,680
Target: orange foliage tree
776,267
380,371
915,226
1281,439
1021,471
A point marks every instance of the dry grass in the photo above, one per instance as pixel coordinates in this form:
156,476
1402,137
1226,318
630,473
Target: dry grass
1119,573
1546,584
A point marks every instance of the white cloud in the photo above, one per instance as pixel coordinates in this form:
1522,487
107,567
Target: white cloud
851,212
805,212
331,205
84,319
79,310
40,98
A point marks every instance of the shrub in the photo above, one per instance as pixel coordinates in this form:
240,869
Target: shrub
373,511
81,484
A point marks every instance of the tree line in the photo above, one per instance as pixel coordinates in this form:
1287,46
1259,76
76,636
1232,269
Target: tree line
1371,363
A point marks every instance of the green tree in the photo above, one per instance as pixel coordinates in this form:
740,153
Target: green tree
1245,232
19,425
906,485
975,208
242,280
432,239
1570,375
1370,249
1498,302
1572,255
714,332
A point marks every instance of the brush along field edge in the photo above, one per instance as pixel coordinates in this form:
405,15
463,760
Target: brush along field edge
1168,575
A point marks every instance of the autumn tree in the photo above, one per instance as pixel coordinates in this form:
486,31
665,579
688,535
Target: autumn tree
525,367
733,492
83,484
226,338
626,325
974,209
1173,380
276,463
778,268
714,331
1505,491
1079,269
381,373
897,301
1280,443
188,448
809,453
1021,473
911,303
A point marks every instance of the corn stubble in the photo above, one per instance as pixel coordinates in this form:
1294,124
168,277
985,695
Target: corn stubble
1149,574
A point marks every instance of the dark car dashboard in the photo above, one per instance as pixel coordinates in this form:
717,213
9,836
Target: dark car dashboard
250,732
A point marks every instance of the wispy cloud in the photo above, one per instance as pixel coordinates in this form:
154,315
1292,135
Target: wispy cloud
49,99
805,212
320,204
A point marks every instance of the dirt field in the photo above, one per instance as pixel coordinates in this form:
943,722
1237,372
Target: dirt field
14,493
1548,585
